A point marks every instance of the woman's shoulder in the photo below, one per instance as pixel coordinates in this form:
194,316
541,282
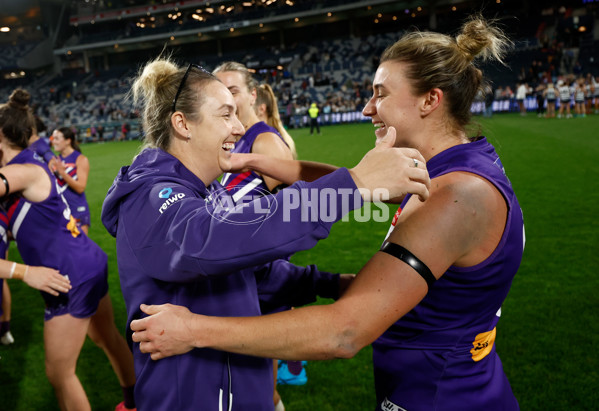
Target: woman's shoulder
271,144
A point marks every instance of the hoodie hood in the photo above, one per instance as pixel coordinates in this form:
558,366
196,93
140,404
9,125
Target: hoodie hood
152,165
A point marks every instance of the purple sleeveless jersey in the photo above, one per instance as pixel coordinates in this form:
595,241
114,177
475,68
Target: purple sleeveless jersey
46,233
441,355
248,184
77,202
176,244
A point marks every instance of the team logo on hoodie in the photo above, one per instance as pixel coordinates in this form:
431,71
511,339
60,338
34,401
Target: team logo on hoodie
171,198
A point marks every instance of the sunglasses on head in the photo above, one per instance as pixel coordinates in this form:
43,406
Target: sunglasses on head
184,79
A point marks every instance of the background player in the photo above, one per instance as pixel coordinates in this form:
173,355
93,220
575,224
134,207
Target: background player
72,170
259,137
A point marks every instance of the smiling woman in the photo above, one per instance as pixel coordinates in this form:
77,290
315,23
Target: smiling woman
258,136
171,248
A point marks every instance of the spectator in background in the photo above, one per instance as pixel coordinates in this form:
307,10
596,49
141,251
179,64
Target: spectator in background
313,113
125,128
579,98
539,92
326,111
94,133
100,131
565,98
589,89
521,92
551,95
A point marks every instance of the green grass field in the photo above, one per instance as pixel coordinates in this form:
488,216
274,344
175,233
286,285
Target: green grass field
547,334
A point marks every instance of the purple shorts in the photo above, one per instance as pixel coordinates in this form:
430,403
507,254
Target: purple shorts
81,301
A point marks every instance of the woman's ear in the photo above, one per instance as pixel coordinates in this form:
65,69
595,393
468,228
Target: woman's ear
431,101
262,109
179,123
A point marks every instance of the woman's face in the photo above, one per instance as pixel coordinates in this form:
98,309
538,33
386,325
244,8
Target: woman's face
244,98
59,142
393,104
214,135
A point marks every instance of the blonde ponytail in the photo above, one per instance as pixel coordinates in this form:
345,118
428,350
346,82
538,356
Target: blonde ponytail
266,96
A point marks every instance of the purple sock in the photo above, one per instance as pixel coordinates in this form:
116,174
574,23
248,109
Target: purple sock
4,327
128,396
294,367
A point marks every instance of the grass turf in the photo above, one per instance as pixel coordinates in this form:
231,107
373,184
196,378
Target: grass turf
545,337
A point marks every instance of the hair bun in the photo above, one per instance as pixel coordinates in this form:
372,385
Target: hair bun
19,99
482,38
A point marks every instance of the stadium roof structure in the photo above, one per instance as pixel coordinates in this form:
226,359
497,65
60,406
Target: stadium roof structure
79,29
199,20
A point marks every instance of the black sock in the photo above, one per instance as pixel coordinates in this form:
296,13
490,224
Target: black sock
128,396
4,327
294,367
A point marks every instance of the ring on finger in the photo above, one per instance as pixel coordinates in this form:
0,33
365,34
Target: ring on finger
415,162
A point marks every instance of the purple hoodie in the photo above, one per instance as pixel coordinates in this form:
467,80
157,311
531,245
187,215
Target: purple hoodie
177,242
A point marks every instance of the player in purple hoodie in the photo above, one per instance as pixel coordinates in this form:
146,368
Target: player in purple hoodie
180,238
430,299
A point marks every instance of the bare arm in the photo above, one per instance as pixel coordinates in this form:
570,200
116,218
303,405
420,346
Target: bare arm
287,171
29,179
460,224
271,146
384,168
